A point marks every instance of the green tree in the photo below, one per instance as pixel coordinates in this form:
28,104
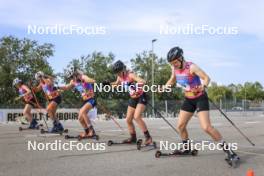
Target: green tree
98,67
251,91
20,58
216,92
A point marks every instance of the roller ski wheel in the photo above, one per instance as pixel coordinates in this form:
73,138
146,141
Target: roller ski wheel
110,142
194,152
140,145
158,154
233,161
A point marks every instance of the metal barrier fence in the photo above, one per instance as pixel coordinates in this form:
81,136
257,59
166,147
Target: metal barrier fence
169,108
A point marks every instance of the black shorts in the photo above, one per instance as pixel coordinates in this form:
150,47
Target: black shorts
56,100
32,102
91,101
200,103
132,102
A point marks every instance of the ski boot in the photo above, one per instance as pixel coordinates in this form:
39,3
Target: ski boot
33,124
131,140
148,143
231,157
89,133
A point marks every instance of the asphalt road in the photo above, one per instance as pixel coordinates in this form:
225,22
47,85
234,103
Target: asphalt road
16,159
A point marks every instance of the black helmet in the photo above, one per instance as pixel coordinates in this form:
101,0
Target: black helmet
174,53
118,66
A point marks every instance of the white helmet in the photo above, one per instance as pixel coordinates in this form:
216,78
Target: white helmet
38,75
70,73
16,81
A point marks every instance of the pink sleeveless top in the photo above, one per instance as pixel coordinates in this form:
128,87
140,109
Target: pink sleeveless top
189,81
85,89
22,91
130,85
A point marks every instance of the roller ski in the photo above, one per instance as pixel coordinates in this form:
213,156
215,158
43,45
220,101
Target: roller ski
79,137
95,137
148,144
130,141
33,126
110,143
175,153
88,133
57,129
42,131
28,128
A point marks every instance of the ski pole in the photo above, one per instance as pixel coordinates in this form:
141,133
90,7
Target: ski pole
232,123
156,111
110,115
38,105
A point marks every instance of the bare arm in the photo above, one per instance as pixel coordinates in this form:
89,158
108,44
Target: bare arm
87,79
115,83
37,89
137,78
51,78
27,89
172,79
67,86
199,72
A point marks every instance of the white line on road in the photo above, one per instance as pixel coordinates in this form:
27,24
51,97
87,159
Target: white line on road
250,122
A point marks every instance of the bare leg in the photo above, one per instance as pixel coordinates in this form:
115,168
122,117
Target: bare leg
27,112
51,109
129,120
207,126
139,117
183,120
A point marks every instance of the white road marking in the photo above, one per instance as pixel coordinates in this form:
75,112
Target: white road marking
110,131
250,122
30,135
164,127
